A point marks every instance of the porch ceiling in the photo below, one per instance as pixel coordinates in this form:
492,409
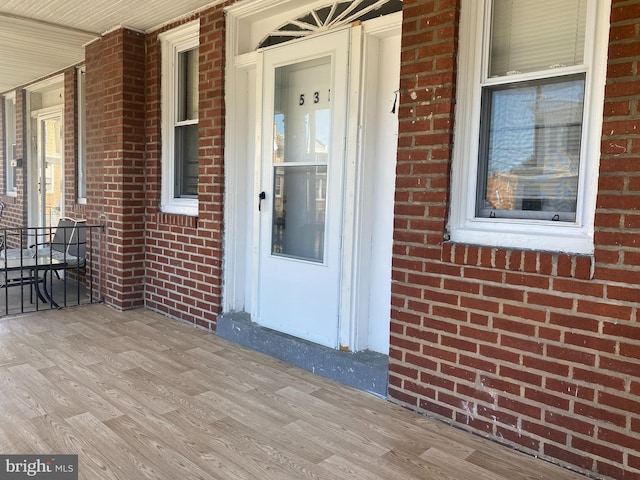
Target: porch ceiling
39,37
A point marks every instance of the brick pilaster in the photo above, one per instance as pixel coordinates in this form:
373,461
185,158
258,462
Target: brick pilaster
115,164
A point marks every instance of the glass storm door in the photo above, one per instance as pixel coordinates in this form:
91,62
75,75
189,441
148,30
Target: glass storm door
50,181
301,199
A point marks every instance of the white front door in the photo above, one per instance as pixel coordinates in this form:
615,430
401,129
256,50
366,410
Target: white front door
301,202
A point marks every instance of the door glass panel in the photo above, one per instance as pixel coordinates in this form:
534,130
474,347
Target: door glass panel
302,122
302,116
51,171
299,212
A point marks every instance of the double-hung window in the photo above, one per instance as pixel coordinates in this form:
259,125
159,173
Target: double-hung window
10,144
529,117
180,119
81,164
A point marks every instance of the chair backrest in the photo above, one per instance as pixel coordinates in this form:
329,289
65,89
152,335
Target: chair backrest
70,237
78,241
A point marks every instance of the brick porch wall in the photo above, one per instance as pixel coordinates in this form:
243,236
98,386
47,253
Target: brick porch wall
536,350
116,159
184,254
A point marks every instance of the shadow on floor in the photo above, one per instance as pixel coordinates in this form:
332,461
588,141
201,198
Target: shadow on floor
22,297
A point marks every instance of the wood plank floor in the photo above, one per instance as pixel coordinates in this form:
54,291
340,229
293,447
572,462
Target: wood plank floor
140,396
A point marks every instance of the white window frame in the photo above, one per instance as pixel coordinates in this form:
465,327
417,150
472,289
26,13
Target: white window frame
81,135
11,190
173,43
464,226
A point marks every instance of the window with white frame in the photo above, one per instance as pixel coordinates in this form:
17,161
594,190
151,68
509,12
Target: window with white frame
180,119
10,165
528,120
81,164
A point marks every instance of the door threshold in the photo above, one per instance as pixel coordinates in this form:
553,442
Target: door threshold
366,370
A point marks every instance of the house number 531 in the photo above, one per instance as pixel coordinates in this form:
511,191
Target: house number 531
316,98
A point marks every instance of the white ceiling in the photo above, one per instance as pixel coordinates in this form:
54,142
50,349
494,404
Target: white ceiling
39,37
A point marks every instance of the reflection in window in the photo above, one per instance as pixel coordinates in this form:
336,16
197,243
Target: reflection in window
530,142
299,212
186,126
301,126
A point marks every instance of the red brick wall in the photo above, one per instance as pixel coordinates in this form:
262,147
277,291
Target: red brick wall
184,254
116,160
536,350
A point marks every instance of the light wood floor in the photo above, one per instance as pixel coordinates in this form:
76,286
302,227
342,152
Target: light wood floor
140,396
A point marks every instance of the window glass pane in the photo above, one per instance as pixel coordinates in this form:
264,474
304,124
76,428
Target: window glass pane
299,211
187,107
51,169
82,129
186,161
530,149
528,36
302,117
10,144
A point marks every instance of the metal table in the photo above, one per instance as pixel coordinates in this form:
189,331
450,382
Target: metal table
32,266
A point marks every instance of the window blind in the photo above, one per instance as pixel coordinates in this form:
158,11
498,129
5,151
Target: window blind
188,85
533,35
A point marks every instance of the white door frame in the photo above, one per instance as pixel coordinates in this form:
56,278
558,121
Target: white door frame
44,98
37,191
348,324
244,68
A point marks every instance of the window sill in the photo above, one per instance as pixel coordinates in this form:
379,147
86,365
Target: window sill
180,206
552,264
522,234
177,219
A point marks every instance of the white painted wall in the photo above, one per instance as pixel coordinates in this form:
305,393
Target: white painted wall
380,137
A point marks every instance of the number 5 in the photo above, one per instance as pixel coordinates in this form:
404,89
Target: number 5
301,100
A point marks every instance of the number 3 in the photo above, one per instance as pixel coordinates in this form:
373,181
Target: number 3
316,97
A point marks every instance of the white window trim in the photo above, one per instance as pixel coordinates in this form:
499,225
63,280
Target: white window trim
81,136
10,189
464,226
173,42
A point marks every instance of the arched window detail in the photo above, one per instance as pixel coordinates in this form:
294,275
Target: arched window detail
331,16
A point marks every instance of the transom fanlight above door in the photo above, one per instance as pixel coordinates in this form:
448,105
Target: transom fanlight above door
330,16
